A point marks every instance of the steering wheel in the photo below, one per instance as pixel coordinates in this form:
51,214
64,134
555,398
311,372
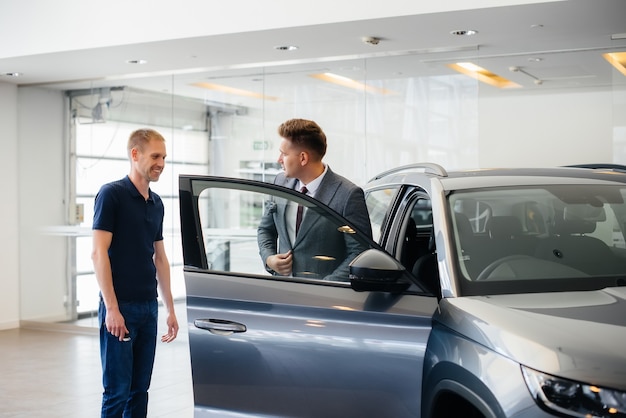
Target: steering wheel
520,266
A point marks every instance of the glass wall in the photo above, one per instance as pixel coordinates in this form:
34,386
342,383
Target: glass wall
377,112
373,121
101,122
224,123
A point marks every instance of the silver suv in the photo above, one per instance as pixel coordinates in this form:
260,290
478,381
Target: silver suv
485,293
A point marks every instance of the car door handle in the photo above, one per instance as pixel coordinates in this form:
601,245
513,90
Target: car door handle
220,326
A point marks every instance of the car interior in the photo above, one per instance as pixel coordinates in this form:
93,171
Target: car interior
526,234
419,254
575,234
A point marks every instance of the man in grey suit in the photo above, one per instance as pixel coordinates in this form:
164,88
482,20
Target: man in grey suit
317,248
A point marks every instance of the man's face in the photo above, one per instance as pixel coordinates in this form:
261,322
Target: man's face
151,161
290,158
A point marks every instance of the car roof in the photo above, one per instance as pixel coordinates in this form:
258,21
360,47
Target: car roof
423,174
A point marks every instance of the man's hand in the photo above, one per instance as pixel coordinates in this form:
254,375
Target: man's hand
172,328
280,263
115,324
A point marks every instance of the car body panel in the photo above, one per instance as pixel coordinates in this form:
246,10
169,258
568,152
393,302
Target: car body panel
577,335
492,383
334,352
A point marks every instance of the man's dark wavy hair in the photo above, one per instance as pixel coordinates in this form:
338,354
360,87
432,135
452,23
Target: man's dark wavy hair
306,134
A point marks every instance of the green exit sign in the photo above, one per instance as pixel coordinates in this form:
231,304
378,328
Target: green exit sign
261,145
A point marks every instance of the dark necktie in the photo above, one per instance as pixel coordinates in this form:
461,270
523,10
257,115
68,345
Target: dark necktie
299,211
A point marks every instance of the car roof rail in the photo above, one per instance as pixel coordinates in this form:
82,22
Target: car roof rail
616,167
432,168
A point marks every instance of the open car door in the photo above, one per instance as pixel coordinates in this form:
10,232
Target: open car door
305,345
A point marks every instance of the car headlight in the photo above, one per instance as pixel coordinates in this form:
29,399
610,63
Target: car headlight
573,398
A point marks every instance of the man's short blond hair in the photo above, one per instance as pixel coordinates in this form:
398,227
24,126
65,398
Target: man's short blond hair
139,138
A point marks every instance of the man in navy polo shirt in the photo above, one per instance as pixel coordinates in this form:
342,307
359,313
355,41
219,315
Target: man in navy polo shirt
130,261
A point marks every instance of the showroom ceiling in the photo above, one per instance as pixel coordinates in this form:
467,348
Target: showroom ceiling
537,46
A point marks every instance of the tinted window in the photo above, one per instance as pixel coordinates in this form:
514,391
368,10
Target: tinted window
378,203
419,242
231,216
541,234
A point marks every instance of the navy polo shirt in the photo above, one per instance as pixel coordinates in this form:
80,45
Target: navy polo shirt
136,224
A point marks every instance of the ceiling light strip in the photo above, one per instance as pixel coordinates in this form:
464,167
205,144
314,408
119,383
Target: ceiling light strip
483,75
617,60
350,83
234,91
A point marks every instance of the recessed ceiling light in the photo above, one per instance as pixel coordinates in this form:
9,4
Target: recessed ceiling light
285,47
136,62
464,32
15,74
371,40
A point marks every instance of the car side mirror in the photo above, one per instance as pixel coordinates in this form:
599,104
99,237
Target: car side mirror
375,270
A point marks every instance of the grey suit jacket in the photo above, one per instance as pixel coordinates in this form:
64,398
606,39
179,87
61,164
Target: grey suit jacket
318,236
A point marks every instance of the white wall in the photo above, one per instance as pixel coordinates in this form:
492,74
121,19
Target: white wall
9,245
533,129
41,159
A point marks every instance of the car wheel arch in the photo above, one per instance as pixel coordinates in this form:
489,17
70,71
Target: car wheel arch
449,382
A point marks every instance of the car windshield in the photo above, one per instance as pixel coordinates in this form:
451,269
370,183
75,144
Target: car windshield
542,238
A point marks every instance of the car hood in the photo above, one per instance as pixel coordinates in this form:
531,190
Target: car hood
576,335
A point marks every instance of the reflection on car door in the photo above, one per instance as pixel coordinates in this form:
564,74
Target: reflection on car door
268,345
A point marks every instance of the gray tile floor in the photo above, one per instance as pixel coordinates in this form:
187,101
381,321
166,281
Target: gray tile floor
54,371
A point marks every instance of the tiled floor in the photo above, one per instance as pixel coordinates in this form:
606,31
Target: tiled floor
55,372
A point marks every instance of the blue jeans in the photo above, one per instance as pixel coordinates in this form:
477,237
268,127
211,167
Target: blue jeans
127,365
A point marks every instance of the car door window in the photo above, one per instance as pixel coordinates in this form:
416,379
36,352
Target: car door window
418,236
242,223
378,204
416,246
